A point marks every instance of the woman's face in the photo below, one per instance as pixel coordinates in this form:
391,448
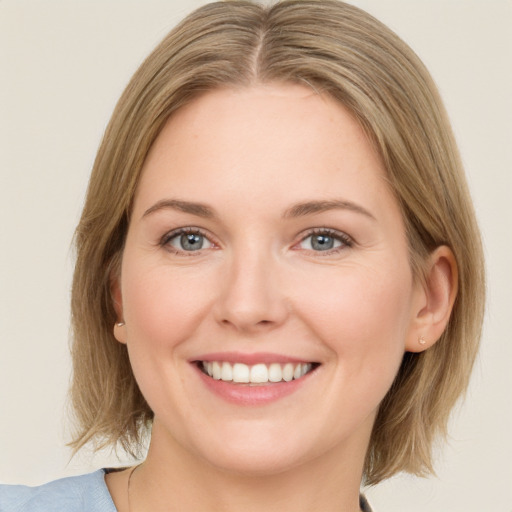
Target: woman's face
266,247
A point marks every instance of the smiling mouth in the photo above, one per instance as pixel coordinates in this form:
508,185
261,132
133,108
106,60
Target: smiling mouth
260,373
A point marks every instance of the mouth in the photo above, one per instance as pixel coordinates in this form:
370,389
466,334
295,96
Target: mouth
256,374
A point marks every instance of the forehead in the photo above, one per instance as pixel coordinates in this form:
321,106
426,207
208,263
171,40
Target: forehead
283,114
261,140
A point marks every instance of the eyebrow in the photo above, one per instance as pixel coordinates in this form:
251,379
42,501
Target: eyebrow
199,209
312,207
297,210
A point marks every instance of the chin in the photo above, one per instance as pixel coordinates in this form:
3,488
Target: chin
250,448
254,462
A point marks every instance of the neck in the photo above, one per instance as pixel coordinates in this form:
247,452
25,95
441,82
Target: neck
172,479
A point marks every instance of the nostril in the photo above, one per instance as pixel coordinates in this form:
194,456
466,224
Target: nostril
243,324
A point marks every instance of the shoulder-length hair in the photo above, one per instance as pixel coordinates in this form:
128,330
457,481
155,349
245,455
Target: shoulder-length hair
336,49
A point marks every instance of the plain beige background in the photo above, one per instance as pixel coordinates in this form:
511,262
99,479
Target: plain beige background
63,64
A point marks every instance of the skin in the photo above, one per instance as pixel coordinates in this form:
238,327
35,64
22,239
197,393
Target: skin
258,285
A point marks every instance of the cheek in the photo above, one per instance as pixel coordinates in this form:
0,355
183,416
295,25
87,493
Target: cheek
163,306
362,315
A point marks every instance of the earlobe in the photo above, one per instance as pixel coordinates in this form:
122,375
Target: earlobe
438,296
119,326
120,332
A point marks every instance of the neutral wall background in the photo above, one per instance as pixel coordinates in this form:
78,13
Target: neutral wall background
63,64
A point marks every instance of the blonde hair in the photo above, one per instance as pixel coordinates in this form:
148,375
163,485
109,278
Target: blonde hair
342,51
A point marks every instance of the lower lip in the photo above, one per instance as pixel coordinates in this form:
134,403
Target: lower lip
245,394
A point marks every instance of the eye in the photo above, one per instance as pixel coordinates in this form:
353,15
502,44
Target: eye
325,240
187,240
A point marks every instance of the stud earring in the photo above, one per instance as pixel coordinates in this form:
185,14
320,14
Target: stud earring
120,324
422,341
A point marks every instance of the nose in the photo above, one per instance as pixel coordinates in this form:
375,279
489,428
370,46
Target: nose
251,299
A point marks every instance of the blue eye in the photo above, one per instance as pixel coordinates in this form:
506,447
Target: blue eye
188,241
324,241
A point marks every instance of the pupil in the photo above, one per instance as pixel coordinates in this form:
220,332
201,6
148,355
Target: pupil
322,242
191,242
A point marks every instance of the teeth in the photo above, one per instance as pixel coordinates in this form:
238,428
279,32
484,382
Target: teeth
240,372
226,372
288,372
216,371
275,374
257,374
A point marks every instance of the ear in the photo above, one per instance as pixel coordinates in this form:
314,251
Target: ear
436,296
117,298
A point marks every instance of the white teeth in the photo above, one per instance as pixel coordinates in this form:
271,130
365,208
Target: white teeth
240,372
226,372
275,374
216,370
288,372
257,374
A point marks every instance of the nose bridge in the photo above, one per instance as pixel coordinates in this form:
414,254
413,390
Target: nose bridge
251,298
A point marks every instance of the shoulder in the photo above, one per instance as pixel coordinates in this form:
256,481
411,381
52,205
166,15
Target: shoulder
73,494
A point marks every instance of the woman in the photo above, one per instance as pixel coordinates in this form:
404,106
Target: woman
278,269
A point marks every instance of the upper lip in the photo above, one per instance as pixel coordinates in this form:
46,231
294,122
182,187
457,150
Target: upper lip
249,358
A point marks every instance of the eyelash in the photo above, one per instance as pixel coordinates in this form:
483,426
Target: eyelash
345,240
166,239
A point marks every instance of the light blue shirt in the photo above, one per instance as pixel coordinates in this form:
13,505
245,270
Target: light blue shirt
85,493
